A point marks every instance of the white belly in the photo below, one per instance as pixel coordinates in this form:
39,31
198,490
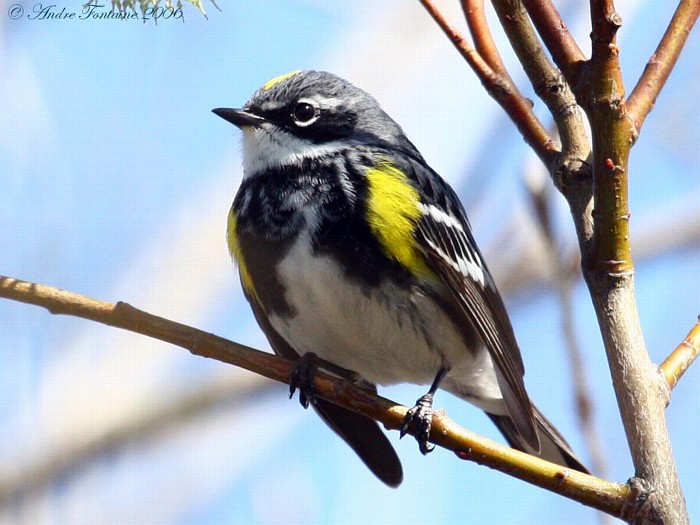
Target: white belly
374,336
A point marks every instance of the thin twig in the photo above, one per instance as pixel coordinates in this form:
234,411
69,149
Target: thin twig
572,169
613,498
475,15
661,63
517,107
682,357
473,58
565,51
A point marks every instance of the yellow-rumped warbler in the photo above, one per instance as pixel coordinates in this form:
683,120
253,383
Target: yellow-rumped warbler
356,255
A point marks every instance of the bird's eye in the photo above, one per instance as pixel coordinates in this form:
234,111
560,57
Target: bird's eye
305,113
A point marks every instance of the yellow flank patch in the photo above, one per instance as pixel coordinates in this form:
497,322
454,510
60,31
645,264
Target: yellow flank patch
234,248
392,213
277,80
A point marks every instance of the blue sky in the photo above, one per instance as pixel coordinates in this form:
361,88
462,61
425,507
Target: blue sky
116,183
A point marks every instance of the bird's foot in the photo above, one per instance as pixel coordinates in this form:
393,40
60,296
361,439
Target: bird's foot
302,378
421,418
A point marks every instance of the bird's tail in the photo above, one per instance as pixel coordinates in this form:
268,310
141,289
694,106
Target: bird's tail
553,446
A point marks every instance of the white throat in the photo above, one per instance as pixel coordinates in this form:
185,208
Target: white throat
263,150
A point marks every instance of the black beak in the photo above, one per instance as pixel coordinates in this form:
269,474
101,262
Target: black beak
239,117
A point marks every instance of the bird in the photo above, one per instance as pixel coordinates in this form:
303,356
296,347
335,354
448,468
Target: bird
356,257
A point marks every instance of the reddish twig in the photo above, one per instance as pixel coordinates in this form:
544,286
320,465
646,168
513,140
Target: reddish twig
518,108
682,357
565,51
572,169
475,61
661,63
483,40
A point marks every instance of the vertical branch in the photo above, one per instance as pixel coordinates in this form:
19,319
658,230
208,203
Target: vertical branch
551,87
609,271
603,95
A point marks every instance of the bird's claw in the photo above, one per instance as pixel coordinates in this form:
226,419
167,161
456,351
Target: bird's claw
302,378
421,417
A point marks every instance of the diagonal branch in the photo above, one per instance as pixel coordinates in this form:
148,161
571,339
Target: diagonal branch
682,357
565,51
548,82
571,172
483,40
661,63
615,499
517,107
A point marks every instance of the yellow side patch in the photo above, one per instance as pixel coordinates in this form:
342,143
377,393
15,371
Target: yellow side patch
268,85
234,248
392,213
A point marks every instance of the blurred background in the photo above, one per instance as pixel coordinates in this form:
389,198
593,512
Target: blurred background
116,181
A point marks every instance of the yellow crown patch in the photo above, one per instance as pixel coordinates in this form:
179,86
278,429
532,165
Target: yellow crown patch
272,82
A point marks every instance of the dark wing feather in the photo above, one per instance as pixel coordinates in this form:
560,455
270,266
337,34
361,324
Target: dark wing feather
452,253
554,446
363,434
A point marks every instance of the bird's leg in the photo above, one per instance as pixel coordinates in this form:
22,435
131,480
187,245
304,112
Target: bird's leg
303,373
421,415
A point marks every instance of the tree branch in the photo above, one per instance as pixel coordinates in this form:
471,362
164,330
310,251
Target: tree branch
661,63
475,15
609,271
182,407
548,82
613,498
517,107
571,173
602,93
682,357
565,51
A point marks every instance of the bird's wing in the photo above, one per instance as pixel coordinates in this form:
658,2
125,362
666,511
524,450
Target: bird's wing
445,238
363,434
